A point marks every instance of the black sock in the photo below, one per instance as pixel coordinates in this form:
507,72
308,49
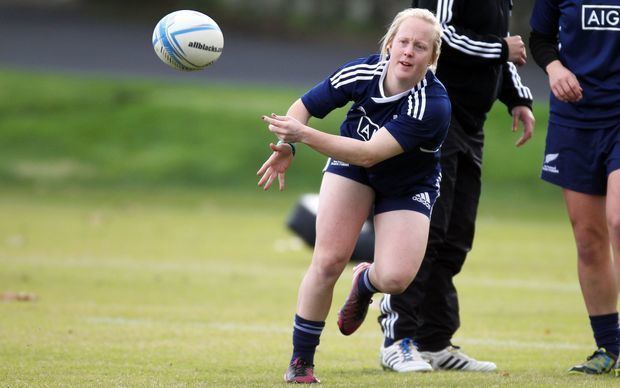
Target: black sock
606,332
364,286
306,336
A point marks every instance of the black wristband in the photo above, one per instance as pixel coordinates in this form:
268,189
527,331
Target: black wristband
291,144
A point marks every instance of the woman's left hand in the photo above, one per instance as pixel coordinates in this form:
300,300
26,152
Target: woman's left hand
275,167
286,128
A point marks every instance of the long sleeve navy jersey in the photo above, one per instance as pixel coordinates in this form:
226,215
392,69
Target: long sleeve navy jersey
587,36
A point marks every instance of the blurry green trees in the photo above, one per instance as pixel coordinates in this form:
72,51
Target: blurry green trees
343,19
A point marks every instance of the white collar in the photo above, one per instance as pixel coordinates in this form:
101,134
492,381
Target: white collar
383,99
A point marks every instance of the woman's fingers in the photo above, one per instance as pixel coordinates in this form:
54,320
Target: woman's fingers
268,183
276,124
275,119
571,90
286,128
262,168
267,179
262,179
566,88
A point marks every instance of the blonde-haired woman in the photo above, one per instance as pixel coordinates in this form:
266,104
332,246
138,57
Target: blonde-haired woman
386,158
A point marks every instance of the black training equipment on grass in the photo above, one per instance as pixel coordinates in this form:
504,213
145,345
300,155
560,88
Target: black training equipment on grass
302,221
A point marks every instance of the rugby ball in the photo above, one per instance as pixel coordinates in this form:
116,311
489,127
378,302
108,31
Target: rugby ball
188,40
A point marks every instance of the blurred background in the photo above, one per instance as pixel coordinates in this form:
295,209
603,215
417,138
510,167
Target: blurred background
130,213
102,126
286,42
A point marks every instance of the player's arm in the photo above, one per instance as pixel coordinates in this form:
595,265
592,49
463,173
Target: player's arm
562,82
544,46
380,147
424,130
464,44
282,156
299,112
317,102
518,98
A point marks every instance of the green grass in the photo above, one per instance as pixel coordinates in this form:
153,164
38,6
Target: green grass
59,129
198,288
130,209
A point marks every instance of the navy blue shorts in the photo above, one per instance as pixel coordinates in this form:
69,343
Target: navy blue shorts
581,159
420,199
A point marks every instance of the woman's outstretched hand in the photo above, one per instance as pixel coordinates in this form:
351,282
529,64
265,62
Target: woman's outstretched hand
275,166
286,128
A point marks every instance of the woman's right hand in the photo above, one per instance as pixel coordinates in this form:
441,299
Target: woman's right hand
286,128
563,83
275,166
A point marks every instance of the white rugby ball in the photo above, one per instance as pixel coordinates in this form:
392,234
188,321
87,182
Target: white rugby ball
188,40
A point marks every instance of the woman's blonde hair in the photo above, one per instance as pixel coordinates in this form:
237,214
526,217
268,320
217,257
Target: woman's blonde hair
419,13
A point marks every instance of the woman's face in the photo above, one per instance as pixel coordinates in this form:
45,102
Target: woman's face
411,50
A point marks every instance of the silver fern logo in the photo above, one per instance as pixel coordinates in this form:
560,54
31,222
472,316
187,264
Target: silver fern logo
550,158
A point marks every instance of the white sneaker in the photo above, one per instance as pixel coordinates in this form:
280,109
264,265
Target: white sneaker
452,358
403,356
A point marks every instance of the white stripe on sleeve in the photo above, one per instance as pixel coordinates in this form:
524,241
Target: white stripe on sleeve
461,42
524,91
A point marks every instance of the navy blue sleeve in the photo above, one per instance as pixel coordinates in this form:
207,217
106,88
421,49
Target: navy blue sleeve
337,90
422,125
348,83
545,17
324,98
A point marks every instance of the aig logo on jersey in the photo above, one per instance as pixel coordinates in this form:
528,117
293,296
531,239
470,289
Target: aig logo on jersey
600,17
366,128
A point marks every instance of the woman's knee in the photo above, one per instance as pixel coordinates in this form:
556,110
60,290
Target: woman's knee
393,282
328,266
613,224
592,244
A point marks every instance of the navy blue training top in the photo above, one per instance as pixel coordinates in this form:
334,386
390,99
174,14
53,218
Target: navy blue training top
418,119
589,46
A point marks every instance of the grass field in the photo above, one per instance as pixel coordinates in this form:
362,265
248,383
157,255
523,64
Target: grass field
132,218
59,129
190,288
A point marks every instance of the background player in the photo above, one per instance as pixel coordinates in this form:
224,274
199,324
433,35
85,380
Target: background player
477,66
582,153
